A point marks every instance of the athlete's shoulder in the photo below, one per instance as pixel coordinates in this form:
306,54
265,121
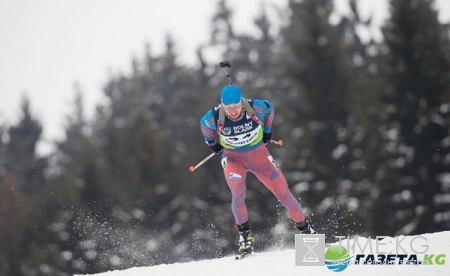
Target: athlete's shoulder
261,107
261,103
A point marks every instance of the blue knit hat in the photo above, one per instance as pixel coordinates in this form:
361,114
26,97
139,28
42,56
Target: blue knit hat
231,94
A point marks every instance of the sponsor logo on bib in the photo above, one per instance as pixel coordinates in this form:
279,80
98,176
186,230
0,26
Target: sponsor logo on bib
226,131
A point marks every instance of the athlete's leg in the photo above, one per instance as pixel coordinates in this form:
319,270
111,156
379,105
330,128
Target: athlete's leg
265,169
235,172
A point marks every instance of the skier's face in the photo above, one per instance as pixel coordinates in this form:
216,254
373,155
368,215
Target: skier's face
234,111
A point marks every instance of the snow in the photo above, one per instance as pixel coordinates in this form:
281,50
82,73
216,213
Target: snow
283,262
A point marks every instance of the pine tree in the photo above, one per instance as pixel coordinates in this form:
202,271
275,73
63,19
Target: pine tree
361,189
413,196
319,63
20,152
21,183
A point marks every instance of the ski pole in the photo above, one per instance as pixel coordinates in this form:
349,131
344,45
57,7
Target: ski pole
279,142
192,168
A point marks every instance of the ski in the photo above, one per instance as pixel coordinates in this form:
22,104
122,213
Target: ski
242,255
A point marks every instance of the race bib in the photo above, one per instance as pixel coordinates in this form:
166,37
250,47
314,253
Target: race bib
241,140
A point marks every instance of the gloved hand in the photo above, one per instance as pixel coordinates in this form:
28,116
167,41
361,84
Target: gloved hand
266,138
217,148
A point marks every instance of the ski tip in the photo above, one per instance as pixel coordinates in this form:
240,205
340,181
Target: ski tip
191,168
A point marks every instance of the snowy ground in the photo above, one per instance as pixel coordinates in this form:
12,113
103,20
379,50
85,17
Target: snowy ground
283,262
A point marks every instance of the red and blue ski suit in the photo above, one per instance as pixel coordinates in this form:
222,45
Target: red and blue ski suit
244,152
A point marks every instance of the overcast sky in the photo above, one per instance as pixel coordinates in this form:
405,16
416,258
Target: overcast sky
48,45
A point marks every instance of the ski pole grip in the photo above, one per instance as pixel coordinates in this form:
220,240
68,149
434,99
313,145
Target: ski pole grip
225,64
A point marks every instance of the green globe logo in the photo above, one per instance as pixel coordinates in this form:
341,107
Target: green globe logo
335,260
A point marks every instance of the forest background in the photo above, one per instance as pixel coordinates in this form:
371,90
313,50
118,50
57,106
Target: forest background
366,127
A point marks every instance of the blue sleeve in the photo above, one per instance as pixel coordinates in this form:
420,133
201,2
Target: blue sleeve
265,111
207,125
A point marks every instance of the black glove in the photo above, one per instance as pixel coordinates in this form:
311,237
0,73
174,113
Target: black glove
217,148
266,138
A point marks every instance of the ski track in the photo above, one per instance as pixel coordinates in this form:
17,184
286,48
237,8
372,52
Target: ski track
283,262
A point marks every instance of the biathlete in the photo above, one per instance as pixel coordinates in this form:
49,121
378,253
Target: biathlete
244,128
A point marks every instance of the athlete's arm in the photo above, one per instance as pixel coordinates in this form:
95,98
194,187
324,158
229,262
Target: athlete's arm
207,125
265,111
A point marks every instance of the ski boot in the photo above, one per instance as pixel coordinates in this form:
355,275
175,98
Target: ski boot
304,227
246,241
